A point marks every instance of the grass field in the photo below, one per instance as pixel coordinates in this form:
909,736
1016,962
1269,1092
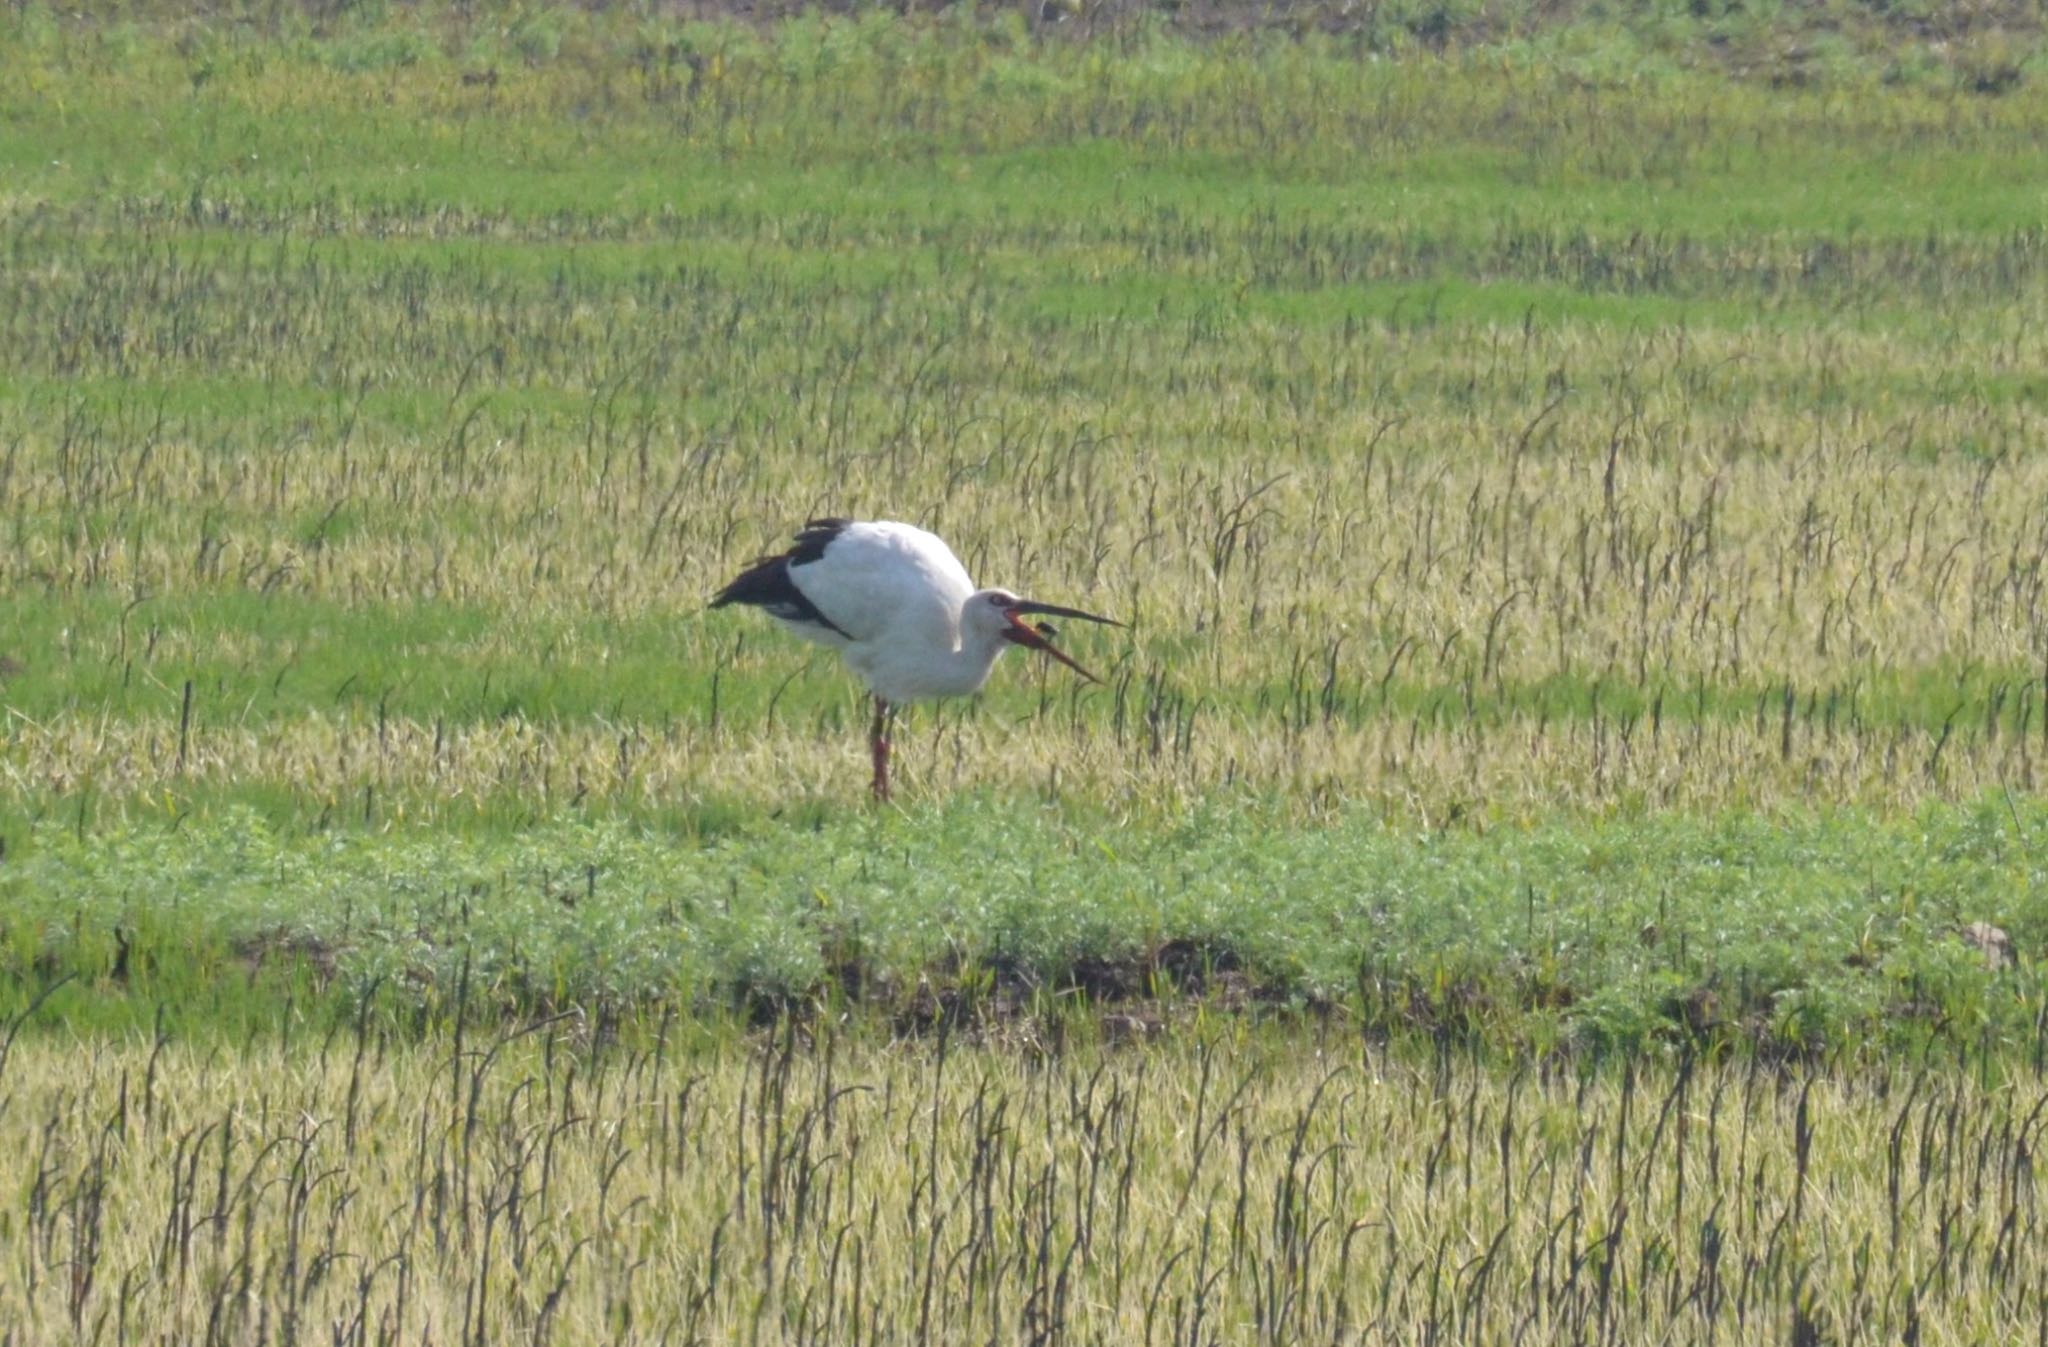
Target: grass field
1573,478
1217,1188
1515,442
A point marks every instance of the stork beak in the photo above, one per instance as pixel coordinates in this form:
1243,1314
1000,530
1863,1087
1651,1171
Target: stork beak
1037,637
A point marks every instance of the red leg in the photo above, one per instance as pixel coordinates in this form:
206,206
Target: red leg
878,744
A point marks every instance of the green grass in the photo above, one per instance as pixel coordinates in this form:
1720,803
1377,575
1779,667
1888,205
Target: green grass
1608,428
1845,933
1557,852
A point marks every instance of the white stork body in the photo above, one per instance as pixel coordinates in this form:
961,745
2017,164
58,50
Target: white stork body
895,594
898,605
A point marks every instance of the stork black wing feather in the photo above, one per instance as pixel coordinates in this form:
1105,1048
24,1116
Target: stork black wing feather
767,584
815,538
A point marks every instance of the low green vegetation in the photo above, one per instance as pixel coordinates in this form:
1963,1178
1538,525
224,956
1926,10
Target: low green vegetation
1815,938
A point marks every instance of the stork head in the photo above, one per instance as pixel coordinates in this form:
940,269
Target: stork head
1000,614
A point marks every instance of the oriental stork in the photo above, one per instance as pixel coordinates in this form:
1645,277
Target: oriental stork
897,604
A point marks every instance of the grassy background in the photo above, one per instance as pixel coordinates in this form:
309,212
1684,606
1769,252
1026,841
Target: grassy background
1572,472
1524,438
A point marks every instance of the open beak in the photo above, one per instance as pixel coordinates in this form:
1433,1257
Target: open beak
1037,637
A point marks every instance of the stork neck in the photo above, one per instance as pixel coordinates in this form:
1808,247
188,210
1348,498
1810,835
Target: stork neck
968,665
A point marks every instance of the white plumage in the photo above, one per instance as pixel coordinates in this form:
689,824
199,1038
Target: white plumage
898,605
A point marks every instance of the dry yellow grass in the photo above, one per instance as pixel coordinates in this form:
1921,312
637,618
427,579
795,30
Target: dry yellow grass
1414,765
541,1188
